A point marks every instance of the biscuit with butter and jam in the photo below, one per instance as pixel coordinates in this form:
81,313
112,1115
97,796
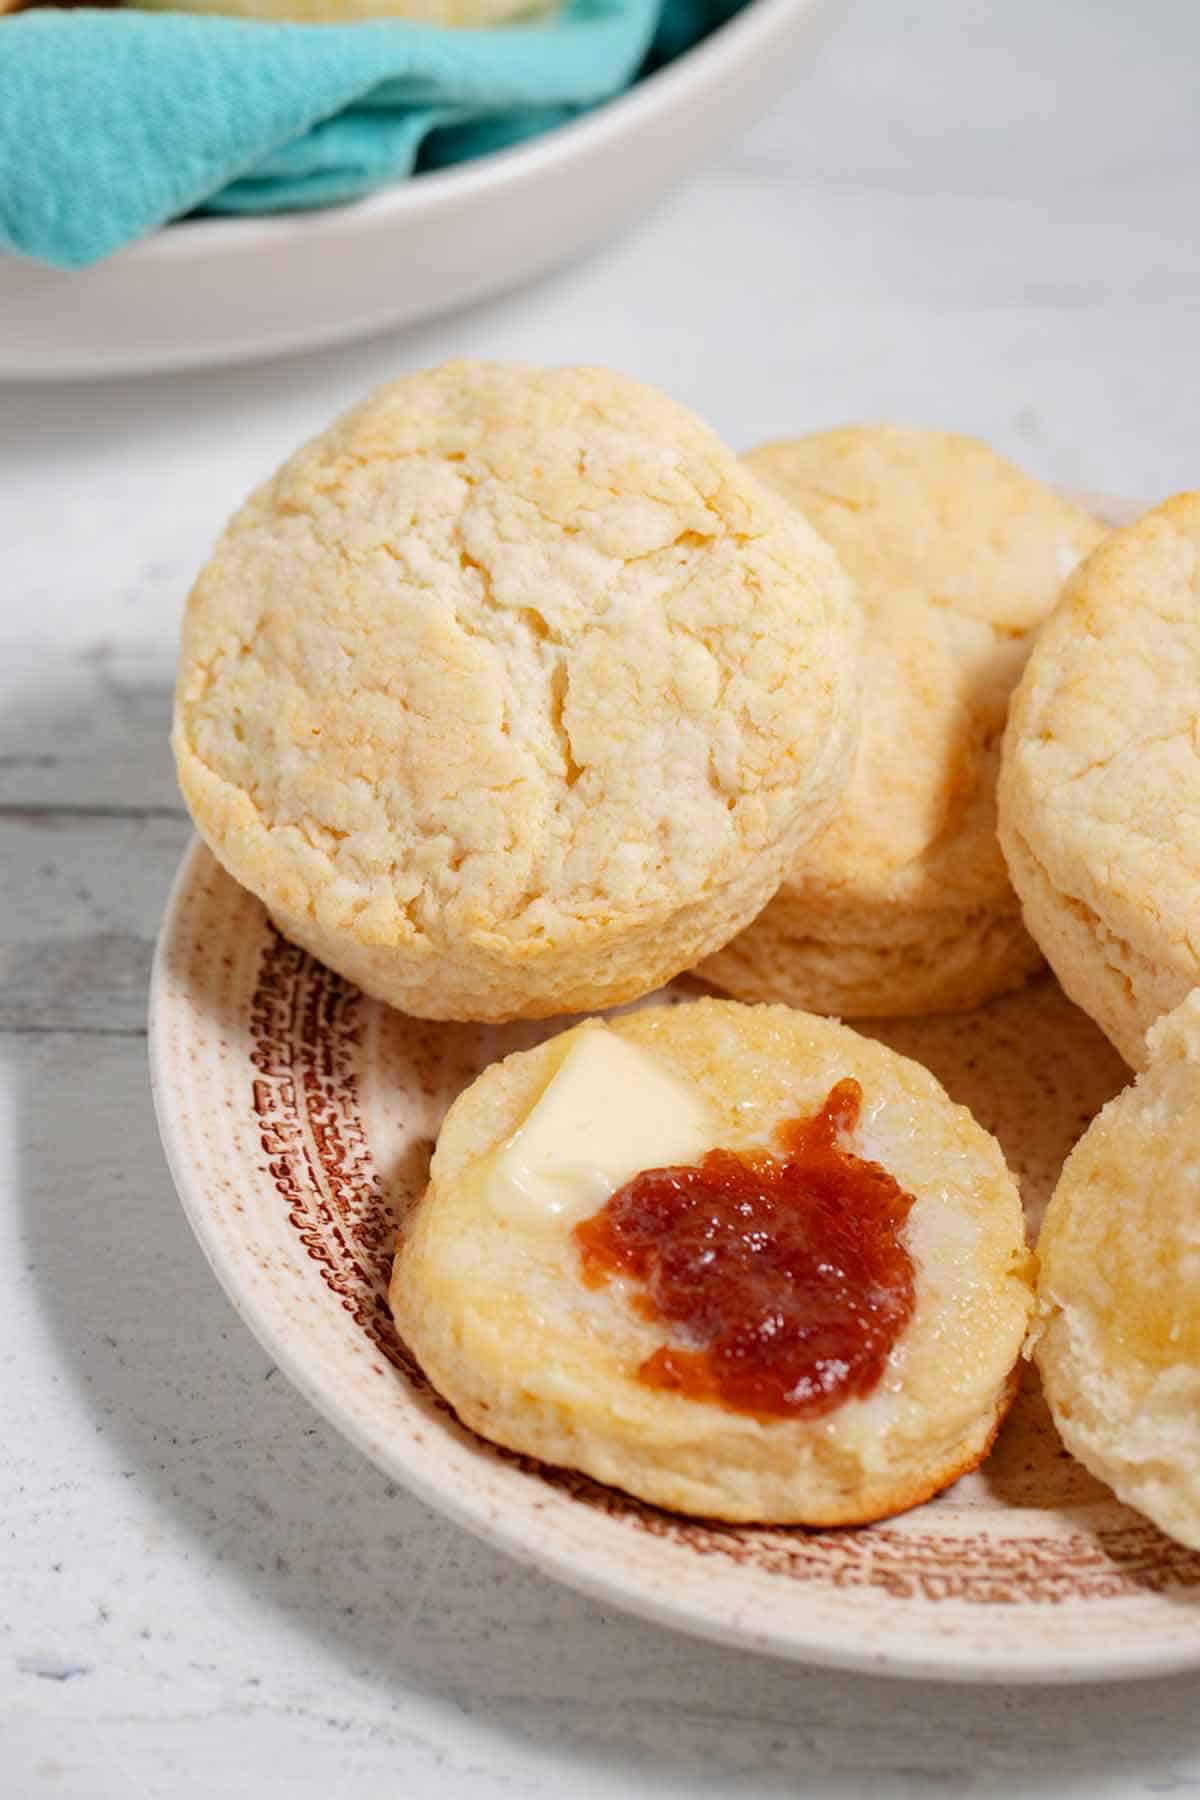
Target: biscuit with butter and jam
736,1260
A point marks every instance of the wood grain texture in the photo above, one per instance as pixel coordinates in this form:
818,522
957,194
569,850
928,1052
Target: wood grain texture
86,730
80,898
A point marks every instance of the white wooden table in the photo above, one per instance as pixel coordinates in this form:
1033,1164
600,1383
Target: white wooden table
968,214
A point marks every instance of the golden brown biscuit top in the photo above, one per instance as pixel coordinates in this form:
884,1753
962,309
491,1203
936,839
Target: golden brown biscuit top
509,650
1102,762
956,556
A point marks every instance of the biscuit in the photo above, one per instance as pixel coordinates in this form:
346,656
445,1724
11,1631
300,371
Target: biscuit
514,693
904,904
1117,1336
1098,793
533,1358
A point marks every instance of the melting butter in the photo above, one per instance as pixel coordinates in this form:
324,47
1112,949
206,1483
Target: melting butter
610,1111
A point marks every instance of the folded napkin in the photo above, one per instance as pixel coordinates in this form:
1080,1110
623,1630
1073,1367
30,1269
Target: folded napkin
112,123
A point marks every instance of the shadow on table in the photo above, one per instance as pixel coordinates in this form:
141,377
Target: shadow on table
268,1497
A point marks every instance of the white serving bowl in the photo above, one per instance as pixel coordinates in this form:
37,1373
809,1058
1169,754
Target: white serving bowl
220,290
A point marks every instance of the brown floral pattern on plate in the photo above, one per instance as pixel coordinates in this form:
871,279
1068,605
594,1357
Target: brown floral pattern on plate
308,1038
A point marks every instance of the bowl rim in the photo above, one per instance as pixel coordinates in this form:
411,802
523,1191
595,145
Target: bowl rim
737,40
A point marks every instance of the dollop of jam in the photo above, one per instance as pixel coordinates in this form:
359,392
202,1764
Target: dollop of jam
783,1273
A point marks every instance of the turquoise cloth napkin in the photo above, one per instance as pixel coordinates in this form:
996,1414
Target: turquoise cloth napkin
112,123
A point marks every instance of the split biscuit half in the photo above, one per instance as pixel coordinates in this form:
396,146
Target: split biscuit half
490,1288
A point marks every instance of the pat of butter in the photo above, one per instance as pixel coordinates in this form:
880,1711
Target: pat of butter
609,1112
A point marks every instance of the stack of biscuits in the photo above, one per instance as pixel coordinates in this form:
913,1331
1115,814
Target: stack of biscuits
517,694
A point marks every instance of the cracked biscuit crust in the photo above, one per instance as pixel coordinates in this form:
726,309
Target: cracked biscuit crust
1100,787
904,905
514,693
530,1357
1117,1334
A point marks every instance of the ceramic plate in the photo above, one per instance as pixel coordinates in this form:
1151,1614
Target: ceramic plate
218,290
299,1116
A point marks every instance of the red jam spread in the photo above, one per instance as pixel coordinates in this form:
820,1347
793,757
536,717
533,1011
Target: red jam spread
783,1273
